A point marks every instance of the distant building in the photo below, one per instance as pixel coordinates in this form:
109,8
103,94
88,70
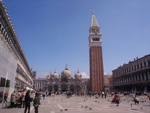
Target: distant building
34,75
62,83
14,68
111,88
96,60
134,76
106,82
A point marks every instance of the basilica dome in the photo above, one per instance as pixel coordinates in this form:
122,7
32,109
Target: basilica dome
66,72
55,75
78,75
48,77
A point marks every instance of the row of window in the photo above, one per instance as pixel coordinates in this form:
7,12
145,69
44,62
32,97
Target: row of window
133,78
131,68
23,74
7,36
39,84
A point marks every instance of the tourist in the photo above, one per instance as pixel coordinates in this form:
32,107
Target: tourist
36,102
27,101
102,94
148,96
99,94
105,94
1,96
117,98
22,99
13,99
5,96
136,100
44,95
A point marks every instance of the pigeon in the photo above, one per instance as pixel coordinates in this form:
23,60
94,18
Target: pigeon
61,110
85,106
90,108
66,109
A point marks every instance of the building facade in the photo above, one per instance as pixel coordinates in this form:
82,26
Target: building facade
96,60
62,82
134,76
106,82
14,68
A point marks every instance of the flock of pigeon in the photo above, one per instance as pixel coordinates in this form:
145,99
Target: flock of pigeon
129,99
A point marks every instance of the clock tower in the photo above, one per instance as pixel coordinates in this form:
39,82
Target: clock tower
96,59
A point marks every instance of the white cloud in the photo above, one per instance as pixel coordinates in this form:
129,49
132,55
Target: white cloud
41,74
84,75
106,73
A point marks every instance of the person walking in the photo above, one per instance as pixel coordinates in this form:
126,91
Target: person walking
117,98
27,101
44,95
102,94
36,102
5,96
23,93
105,93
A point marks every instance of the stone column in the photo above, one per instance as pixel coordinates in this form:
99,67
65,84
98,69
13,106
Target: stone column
148,75
135,89
144,76
141,77
145,88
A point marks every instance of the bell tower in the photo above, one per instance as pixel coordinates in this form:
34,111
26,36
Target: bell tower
96,60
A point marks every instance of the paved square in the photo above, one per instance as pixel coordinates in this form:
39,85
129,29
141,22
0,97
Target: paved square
78,104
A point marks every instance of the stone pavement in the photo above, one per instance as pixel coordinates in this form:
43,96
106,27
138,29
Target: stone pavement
61,104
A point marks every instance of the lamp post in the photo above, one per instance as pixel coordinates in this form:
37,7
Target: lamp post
4,89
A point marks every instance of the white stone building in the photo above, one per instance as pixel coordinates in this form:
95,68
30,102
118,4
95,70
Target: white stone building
14,68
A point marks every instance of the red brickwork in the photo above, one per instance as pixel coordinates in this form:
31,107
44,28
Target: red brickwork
96,69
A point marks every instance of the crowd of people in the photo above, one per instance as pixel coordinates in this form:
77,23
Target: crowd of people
23,99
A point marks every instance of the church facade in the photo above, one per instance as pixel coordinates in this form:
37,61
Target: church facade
62,82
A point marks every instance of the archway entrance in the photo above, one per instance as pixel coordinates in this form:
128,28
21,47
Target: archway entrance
55,88
72,88
64,87
78,88
50,88
64,79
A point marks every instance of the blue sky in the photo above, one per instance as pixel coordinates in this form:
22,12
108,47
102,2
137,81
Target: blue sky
54,33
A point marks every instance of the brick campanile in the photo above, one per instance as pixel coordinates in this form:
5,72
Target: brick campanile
96,60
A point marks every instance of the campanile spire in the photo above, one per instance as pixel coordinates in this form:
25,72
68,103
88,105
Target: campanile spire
94,22
96,60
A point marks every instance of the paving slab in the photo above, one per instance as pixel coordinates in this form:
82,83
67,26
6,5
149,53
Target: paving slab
81,104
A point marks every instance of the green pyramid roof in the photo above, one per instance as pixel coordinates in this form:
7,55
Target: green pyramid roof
94,22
